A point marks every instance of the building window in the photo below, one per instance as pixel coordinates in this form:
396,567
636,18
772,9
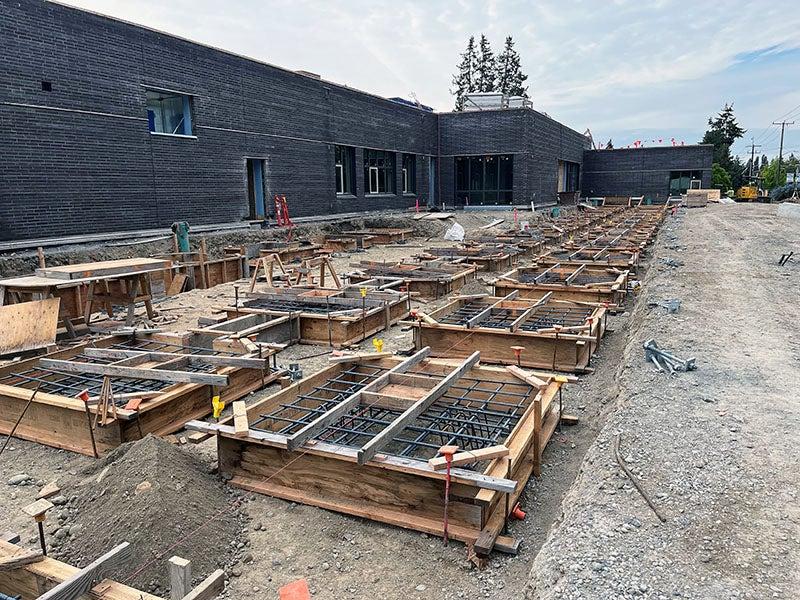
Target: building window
569,176
679,181
484,179
169,112
345,159
409,173
379,173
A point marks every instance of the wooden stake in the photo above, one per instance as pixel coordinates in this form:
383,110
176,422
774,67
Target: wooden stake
180,577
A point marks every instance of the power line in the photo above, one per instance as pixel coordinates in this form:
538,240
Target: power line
783,125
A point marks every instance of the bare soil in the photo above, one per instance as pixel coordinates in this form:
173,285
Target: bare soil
716,448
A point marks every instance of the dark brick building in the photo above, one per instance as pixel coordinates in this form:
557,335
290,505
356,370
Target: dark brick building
651,172
109,126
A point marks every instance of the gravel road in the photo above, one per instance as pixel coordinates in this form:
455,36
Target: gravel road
717,448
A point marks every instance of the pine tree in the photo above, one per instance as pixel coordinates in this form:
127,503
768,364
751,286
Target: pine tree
486,68
464,80
510,78
722,132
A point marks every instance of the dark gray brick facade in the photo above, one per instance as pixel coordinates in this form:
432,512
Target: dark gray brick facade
642,171
80,158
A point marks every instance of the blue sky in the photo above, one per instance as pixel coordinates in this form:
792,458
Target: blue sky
626,69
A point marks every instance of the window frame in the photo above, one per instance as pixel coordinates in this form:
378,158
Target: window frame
380,166
187,107
409,173
344,158
476,191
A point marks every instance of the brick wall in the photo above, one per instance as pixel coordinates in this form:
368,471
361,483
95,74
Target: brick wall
642,171
81,159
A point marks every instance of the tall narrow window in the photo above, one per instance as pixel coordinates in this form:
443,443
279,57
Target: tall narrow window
379,173
169,112
484,179
345,159
409,173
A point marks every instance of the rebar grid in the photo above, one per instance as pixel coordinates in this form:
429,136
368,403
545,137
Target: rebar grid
293,306
473,413
548,316
556,277
463,313
290,417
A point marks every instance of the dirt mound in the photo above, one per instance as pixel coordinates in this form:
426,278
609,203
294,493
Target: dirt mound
163,502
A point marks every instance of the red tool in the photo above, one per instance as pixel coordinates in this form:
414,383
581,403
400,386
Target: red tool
282,214
447,452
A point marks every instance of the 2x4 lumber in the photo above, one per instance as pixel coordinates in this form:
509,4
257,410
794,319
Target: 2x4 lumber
527,377
210,588
368,450
529,311
82,581
488,310
574,274
545,272
135,373
273,439
321,423
240,424
468,457
180,577
361,357
19,560
241,362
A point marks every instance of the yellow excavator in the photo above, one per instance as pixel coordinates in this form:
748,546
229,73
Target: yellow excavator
747,193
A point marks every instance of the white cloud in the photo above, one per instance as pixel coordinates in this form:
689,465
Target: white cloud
611,66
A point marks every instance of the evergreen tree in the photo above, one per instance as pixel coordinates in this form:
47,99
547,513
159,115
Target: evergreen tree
464,80
510,78
722,132
485,68
764,162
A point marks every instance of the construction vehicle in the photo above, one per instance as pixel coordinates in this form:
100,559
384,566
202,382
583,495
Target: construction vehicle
747,193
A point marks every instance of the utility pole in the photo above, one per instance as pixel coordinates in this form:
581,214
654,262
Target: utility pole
783,125
753,147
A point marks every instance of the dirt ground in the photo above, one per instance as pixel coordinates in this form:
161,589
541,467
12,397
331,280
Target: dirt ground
717,449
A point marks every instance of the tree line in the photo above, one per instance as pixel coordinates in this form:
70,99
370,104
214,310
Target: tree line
730,172
481,71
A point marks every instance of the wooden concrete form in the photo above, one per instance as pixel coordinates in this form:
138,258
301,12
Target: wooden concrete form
556,335
576,255
337,318
289,252
581,283
431,280
370,475
529,243
382,235
202,273
487,257
343,243
31,581
151,377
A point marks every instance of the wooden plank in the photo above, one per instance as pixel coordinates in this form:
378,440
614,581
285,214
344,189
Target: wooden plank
28,325
241,362
468,457
240,424
82,581
17,561
210,588
368,450
134,372
527,377
346,405
180,577
361,357
106,268
176,287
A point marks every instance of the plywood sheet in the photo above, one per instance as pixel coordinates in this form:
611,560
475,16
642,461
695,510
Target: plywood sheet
28,325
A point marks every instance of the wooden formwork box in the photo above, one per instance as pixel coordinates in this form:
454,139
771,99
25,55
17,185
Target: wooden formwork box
348,321
611,288
31,581
204,274
382,235
427,281
288,252
568,351
503,258
624,258
400,491
61,421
